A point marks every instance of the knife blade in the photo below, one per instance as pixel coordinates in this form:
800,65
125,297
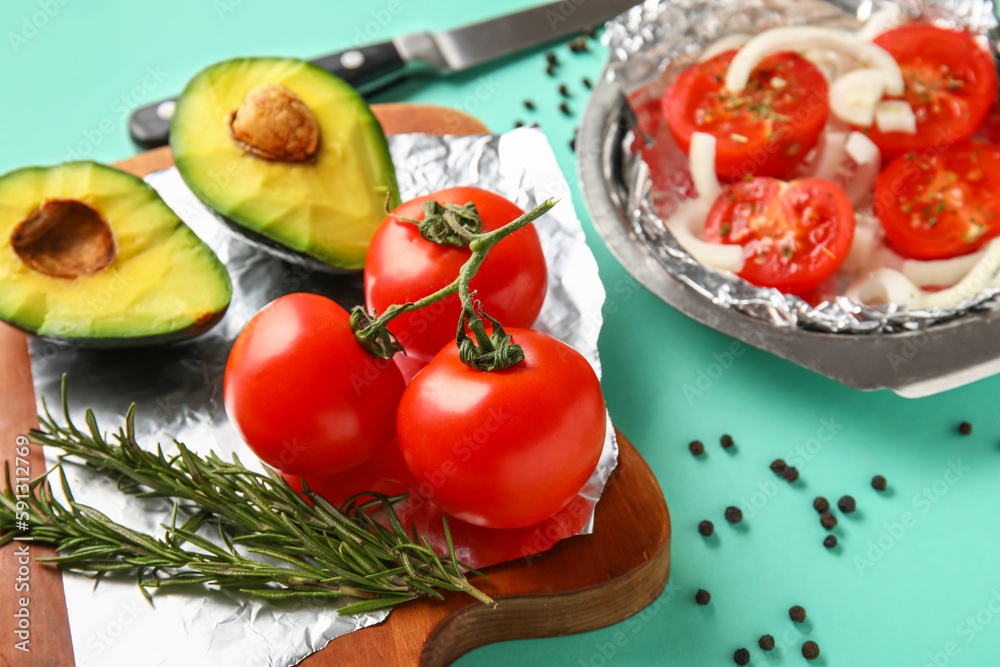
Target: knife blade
374,67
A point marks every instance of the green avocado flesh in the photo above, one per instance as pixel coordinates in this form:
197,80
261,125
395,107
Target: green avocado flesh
92,255
323,211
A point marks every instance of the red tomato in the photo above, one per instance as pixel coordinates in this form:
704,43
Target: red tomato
401,266
509,448
384,473
950,84
305,396
941,205
766,129
794,235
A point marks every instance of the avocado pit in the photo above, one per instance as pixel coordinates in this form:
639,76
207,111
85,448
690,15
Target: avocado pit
273,123
64,238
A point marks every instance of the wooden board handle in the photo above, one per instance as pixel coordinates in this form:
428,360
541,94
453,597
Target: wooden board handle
582,583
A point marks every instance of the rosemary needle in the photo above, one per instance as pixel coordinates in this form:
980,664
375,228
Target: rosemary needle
324,550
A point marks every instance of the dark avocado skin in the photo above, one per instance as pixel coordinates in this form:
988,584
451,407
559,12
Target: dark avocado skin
280,250
178,336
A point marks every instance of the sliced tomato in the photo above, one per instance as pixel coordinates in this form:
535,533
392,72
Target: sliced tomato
943,204
766,129
950,81
794,235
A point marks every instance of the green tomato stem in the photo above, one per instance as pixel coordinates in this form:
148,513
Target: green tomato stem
373,333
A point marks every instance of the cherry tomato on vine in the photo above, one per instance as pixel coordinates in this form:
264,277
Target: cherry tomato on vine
767,129
305,396
402,266
950,82
794,235
942,205
505,448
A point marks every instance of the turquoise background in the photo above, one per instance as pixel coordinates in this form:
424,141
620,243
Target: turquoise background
921,598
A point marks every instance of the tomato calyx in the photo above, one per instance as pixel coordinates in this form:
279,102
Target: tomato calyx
493,353
377,340
448,224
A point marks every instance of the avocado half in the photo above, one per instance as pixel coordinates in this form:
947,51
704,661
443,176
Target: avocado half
91,255
289,156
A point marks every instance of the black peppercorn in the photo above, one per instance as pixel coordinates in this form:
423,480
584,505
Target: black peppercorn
734,515
778,466
702,597
797,614
706,528
726,441
879,483
830,541
965,428
741,657
827,520
696,447
791,474
810,650
847,504
821,504
766,642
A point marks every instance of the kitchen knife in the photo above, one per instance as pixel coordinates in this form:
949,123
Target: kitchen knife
371,68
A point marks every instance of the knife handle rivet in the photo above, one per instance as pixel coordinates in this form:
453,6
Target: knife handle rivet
352,59
165,110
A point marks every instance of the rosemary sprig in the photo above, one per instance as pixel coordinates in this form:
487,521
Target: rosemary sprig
324,551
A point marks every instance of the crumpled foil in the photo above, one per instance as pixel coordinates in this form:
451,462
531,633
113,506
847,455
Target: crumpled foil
178,394
653,42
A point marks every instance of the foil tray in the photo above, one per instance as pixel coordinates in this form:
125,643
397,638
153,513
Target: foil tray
912,363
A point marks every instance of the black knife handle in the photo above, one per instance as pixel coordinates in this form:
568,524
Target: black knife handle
363,65
148,127
364,68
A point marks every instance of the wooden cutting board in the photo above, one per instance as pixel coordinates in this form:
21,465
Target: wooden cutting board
583,583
